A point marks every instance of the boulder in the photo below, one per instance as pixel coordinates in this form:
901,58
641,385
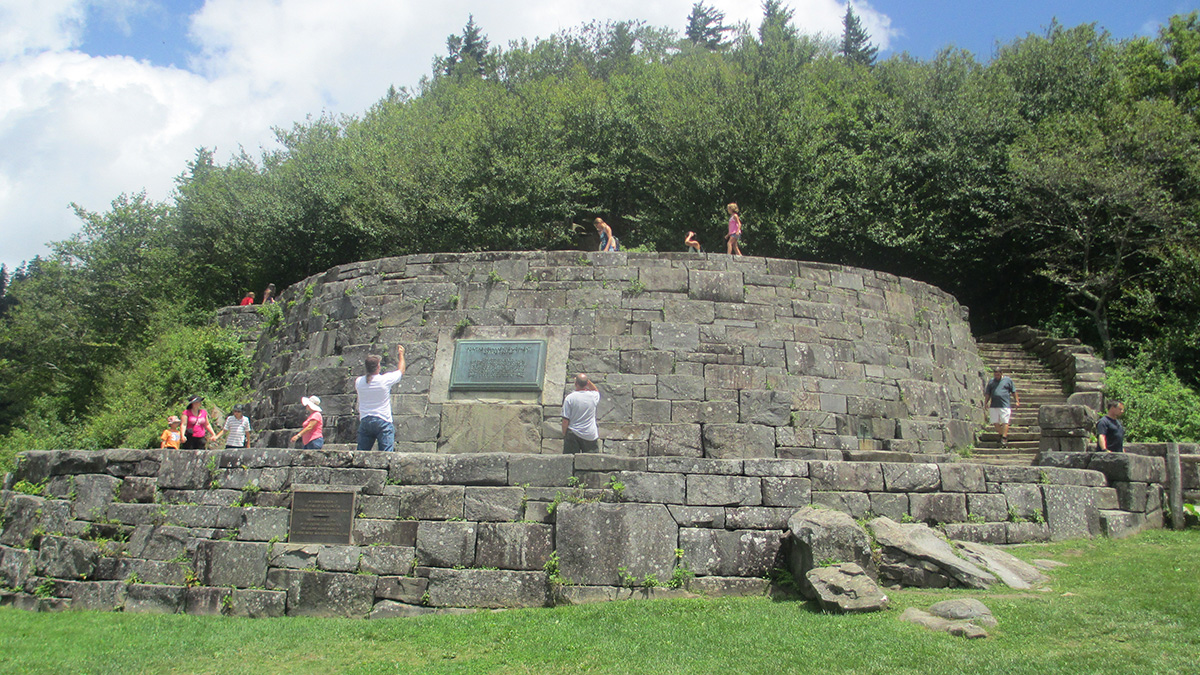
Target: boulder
1013,571
907,548
964,609
594,540
819,536
959,628
846,588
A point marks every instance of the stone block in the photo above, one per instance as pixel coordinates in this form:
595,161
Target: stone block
768,407
1066,417
1119,466
336,558
257,603
446,544
719,587
890,505
328,594
207,601
698,516
775,467
990,507
154,599
674,337
369,531
938,508
717,286
401,589
786,491
231,563
738,441
1024,500
440,469
962,477
708,490
856,504
1020,533
264,524
493,503
595,539
488,427
758,517
1132,496
728,467
76,462
158,542
641,486
845,588
680,387
819,536
1071,511
983,533
848,476
16,566
675,440
487,588
513,546
93,494
98,596
428,502
66,558
370,480
911,477
386,560
730,553
540,470
138,489
186,469
147,571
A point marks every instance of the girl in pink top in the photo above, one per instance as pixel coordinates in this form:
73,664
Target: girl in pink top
735,230
311,433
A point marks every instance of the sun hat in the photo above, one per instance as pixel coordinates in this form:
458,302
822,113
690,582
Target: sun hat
173,419
239,408
311,402
194,399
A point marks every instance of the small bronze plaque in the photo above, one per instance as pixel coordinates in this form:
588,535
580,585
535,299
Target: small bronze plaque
321,518
498,365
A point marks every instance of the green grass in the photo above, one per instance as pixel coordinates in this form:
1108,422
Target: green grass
1128,606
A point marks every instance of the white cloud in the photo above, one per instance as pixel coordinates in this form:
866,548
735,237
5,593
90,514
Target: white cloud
85,129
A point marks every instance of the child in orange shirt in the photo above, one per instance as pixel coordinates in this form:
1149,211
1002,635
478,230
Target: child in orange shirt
173,436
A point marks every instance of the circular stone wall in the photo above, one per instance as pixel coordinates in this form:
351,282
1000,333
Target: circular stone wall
695,355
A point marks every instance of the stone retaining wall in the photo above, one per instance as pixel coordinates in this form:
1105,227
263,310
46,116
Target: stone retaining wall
696,355
206,532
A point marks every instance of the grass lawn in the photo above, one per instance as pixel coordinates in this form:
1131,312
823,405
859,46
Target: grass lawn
1129,606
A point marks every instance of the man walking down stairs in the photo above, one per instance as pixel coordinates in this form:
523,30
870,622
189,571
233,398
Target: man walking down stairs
1038,386
999,398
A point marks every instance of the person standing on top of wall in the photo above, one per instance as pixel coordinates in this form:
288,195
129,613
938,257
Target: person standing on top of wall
237,426
607,241
197,429
248,300
999,397
735,230
1110,432
580,433
375,403
269,295
312,432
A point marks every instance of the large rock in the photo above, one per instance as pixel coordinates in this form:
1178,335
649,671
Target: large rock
67,558
231,563
1071,511
964,609
936,623
822,536
907,547
1013,571
738,441
324,593
730,553
513,546
595,539
846,588
487,588
479,427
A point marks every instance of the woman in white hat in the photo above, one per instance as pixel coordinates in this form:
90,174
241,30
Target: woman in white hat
311,433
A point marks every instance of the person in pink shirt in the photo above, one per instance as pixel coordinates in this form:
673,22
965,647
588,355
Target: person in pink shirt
197,429
735,230
312,432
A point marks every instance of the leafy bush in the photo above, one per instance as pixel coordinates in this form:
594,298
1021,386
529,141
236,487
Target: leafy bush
1158,406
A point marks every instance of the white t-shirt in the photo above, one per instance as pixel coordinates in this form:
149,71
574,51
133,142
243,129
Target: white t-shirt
375,397
237,430
579,407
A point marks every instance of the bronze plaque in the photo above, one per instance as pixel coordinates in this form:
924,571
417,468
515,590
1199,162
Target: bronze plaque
321,518
498,365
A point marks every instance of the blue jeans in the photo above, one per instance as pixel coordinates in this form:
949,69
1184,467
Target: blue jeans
315,444
371,429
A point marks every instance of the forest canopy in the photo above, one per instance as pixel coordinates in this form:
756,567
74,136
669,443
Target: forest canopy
1057,184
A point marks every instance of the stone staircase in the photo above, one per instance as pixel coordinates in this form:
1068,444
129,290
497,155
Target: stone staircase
1037,385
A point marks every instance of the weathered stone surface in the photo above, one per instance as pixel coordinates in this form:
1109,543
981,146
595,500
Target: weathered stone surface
66,558
486,427
439,469
1071,511
730,553
100,596
846,588
186,469
846,476
957,628
724,467
257,603
1013,571
24,514
718,587
984,533
1024,501
206,600
386,560
154,599
1020,533
390,532
911,477
906,546
964,609
786,491
723,491
147,571
856,504
492,503
716,286
333,558
513,546
540,470
738,441
758,517
989,507
446,544
820,536
770,407
675,440
231,563
594,539
962,477
389,609
324,593
944,507
487,588
428,502
402,589
16,565
263,524
672,337
784,468
698,516
93,494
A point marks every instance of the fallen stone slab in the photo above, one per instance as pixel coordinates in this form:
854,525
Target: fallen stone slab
964,609
907,542
958,628
1013,571
846,588
821,536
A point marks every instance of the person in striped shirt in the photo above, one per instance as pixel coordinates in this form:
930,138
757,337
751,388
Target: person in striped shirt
237,426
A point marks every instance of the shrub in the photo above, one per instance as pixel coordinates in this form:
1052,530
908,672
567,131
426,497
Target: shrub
1159,407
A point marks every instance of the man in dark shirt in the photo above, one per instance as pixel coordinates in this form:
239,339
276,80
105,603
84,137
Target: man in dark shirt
1109,429
999,397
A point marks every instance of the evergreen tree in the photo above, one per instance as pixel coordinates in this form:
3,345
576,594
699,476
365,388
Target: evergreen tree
706,27
469,49
776,23
856,43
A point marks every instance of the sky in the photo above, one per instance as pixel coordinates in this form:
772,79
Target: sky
104,97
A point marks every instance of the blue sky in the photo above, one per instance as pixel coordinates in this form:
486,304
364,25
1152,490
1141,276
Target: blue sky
103,97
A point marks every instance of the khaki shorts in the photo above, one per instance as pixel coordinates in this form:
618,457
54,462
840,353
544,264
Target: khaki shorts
999,415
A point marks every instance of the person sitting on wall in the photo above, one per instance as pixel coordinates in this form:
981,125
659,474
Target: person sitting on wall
1109,430
248,300
312,432
999,398
690,241
580,433
375,403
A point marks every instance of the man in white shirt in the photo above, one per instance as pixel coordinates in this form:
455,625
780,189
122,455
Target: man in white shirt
579,418
237,426
375,403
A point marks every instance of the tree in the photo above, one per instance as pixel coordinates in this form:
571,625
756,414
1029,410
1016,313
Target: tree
706,27
776,22
466,53
856,43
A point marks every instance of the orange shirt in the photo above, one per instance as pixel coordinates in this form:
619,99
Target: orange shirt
171,438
